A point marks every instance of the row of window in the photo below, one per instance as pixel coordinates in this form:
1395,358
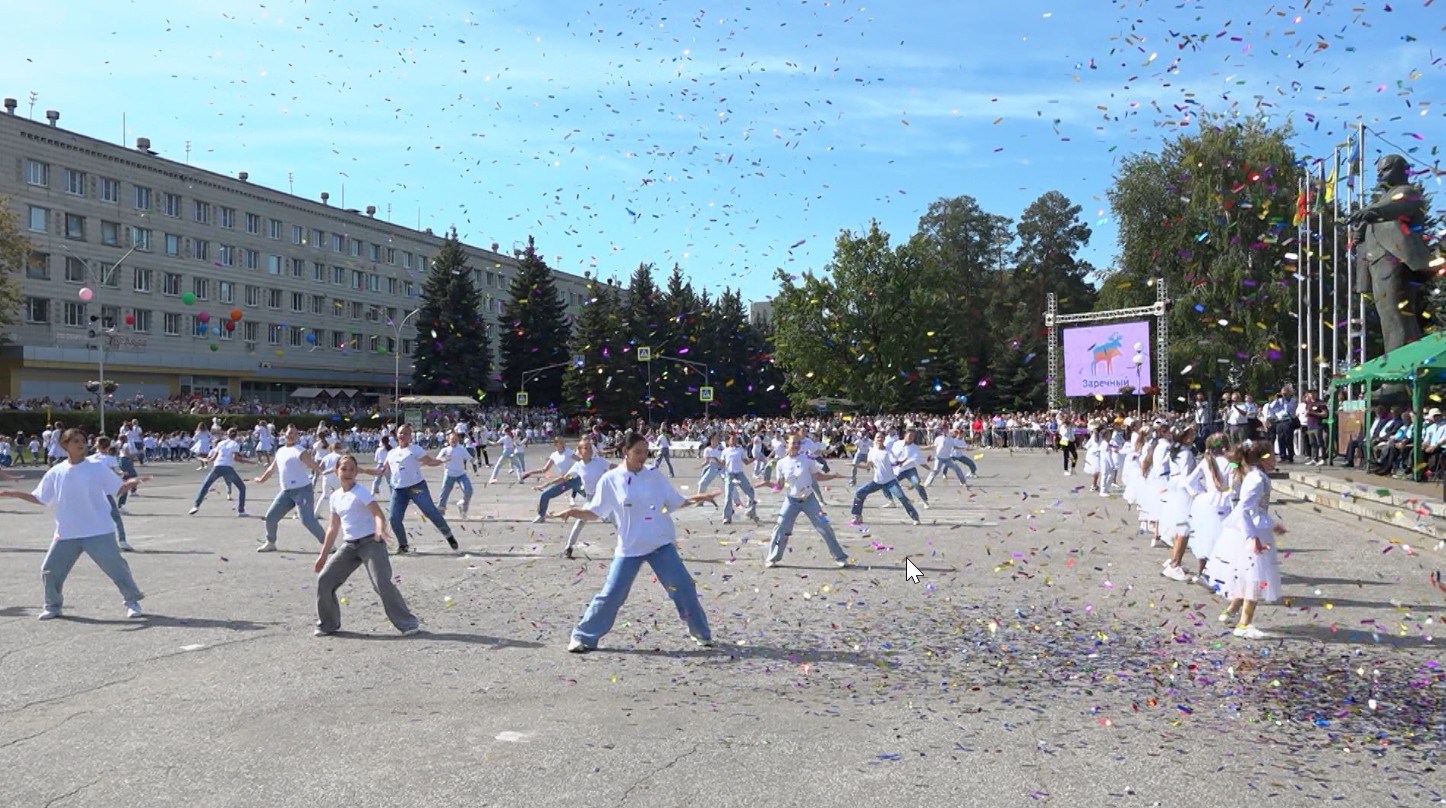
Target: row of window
77,183
142,321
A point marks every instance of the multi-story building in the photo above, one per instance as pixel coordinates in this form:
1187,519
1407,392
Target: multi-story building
201,283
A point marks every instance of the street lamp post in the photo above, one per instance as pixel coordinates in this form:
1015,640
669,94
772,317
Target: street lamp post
1139,360
535,372
100,334
397,366
706,376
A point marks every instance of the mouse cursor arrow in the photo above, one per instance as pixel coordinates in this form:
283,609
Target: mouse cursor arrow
911,572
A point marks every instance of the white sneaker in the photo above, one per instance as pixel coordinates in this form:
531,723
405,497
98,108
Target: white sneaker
133,610
916,522
125,547
125,511
539,519
769,564
242,515
888,503
1175,573
1068,473
577,646
926,505
228,496
49,614
195,509
1249,632
267,547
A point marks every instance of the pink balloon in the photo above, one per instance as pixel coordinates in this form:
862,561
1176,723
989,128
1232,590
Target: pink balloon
86,293
204,316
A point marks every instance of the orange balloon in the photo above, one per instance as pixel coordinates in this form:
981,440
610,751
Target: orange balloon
235,314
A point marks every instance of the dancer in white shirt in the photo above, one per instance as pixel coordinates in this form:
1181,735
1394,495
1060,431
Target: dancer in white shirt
588,469
881,460
560,461
295,467
454,457
223,459
1244,566
797,475
735,481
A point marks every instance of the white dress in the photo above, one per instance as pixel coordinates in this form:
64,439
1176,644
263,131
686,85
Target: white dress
1092,449
1210,507
1235,569
1130,474
1153,484
1175,504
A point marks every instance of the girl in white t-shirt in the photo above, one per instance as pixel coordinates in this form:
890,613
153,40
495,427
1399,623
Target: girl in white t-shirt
454,457
358,521
78,490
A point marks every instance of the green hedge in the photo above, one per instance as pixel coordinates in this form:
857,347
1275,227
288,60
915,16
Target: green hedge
33,423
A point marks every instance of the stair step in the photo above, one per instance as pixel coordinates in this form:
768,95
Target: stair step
1416,516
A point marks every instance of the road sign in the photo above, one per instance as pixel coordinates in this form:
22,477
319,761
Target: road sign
645,354
579,360
522,399
705,393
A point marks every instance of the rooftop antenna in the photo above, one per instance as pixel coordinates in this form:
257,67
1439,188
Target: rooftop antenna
34,96
188,152
291,183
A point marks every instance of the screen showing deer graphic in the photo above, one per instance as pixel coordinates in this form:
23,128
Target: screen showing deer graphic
1099,359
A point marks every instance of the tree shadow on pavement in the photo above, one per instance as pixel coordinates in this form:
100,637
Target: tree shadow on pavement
729,652
1326,635
1288,579
471,639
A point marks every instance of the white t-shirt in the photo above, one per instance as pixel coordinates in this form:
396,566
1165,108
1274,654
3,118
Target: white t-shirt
352,507
78,493
292,473
563,460
733,458
328,464
907,454
406,465
107,460
203,443
640,506
456,458
883,463
944,447
797,473
714,456
589,473
226,453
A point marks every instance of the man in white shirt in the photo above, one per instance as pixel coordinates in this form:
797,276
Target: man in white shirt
295,466
906,459
223,459
947,455
881,460
455,457
799,476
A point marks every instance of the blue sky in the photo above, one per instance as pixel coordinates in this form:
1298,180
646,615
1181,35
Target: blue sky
731,139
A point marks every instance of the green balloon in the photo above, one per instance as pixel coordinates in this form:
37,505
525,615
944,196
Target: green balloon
215,347
188,298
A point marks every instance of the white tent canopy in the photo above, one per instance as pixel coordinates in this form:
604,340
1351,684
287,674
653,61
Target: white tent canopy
445,401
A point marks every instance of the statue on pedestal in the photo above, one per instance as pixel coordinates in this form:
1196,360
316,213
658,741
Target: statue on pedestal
1391,256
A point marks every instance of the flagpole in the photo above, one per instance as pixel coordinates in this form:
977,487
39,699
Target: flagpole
1302,281
1360,202
1335,266
1320,320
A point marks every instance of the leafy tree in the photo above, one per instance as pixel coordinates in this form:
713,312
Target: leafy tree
599,338
14,249
534,331
452,354
1211,215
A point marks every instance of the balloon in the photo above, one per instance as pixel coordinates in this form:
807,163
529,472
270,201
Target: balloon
235,314
86,293
215,347
188,298
280,353
204,317
311,337
130,319
230,325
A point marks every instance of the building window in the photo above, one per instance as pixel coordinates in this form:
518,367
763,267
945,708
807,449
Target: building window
253,295
374,282
226,333
141,238
37,266
143,280
73,314
171,324
392,256
338,339
318,238
318,272
37,310
74,182
198,328
173,244
374,313
228,218
356,310
273,299
143,198
318,304
358,279
201,288
298,336
408,290
274,228
74,270
39,219
201,249
109,190
354,247
273,265
171,284
110,233
374,251
273,334
406,260
250,329
173,205
202,211
338,242
111,277
109,316
338,275
392,286
227,255
74,226
37,173
252,259
253,224
225,292
298,234
298,302
143,321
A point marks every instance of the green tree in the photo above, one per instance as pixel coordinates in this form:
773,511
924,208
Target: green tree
452,355
534,331
645,323
598,337
675,383
14,250
1211,215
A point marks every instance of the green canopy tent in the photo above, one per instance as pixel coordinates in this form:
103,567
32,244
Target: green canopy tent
1418,365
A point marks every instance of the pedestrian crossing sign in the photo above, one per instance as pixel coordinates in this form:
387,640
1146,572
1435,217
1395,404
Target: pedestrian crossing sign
705,393
645,354
522,399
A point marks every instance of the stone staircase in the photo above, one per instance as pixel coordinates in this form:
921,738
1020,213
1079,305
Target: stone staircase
1401,504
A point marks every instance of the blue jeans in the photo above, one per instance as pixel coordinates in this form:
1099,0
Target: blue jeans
944,465
665,456
419,495
861,456
115,516
571,484
709,475
461,481
808,507
668,568
891,487
106,554
732,483
302,498
512,458
232,479
128,470
913,476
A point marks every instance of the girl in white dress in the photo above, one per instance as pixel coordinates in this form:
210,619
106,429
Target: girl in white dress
1154,475
1114,441
1244,567
1093,449
1175,507
1213,501
1130,467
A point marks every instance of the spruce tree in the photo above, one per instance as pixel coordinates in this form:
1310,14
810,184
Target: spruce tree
644,321
534,332
452,354
595,387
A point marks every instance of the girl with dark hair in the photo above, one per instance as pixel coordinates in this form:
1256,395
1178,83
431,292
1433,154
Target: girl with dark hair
1175,507
1212,502
1243,566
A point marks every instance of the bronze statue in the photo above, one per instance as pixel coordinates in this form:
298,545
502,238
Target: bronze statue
1392,259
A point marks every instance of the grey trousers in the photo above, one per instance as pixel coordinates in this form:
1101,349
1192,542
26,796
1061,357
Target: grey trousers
352,554
103,550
